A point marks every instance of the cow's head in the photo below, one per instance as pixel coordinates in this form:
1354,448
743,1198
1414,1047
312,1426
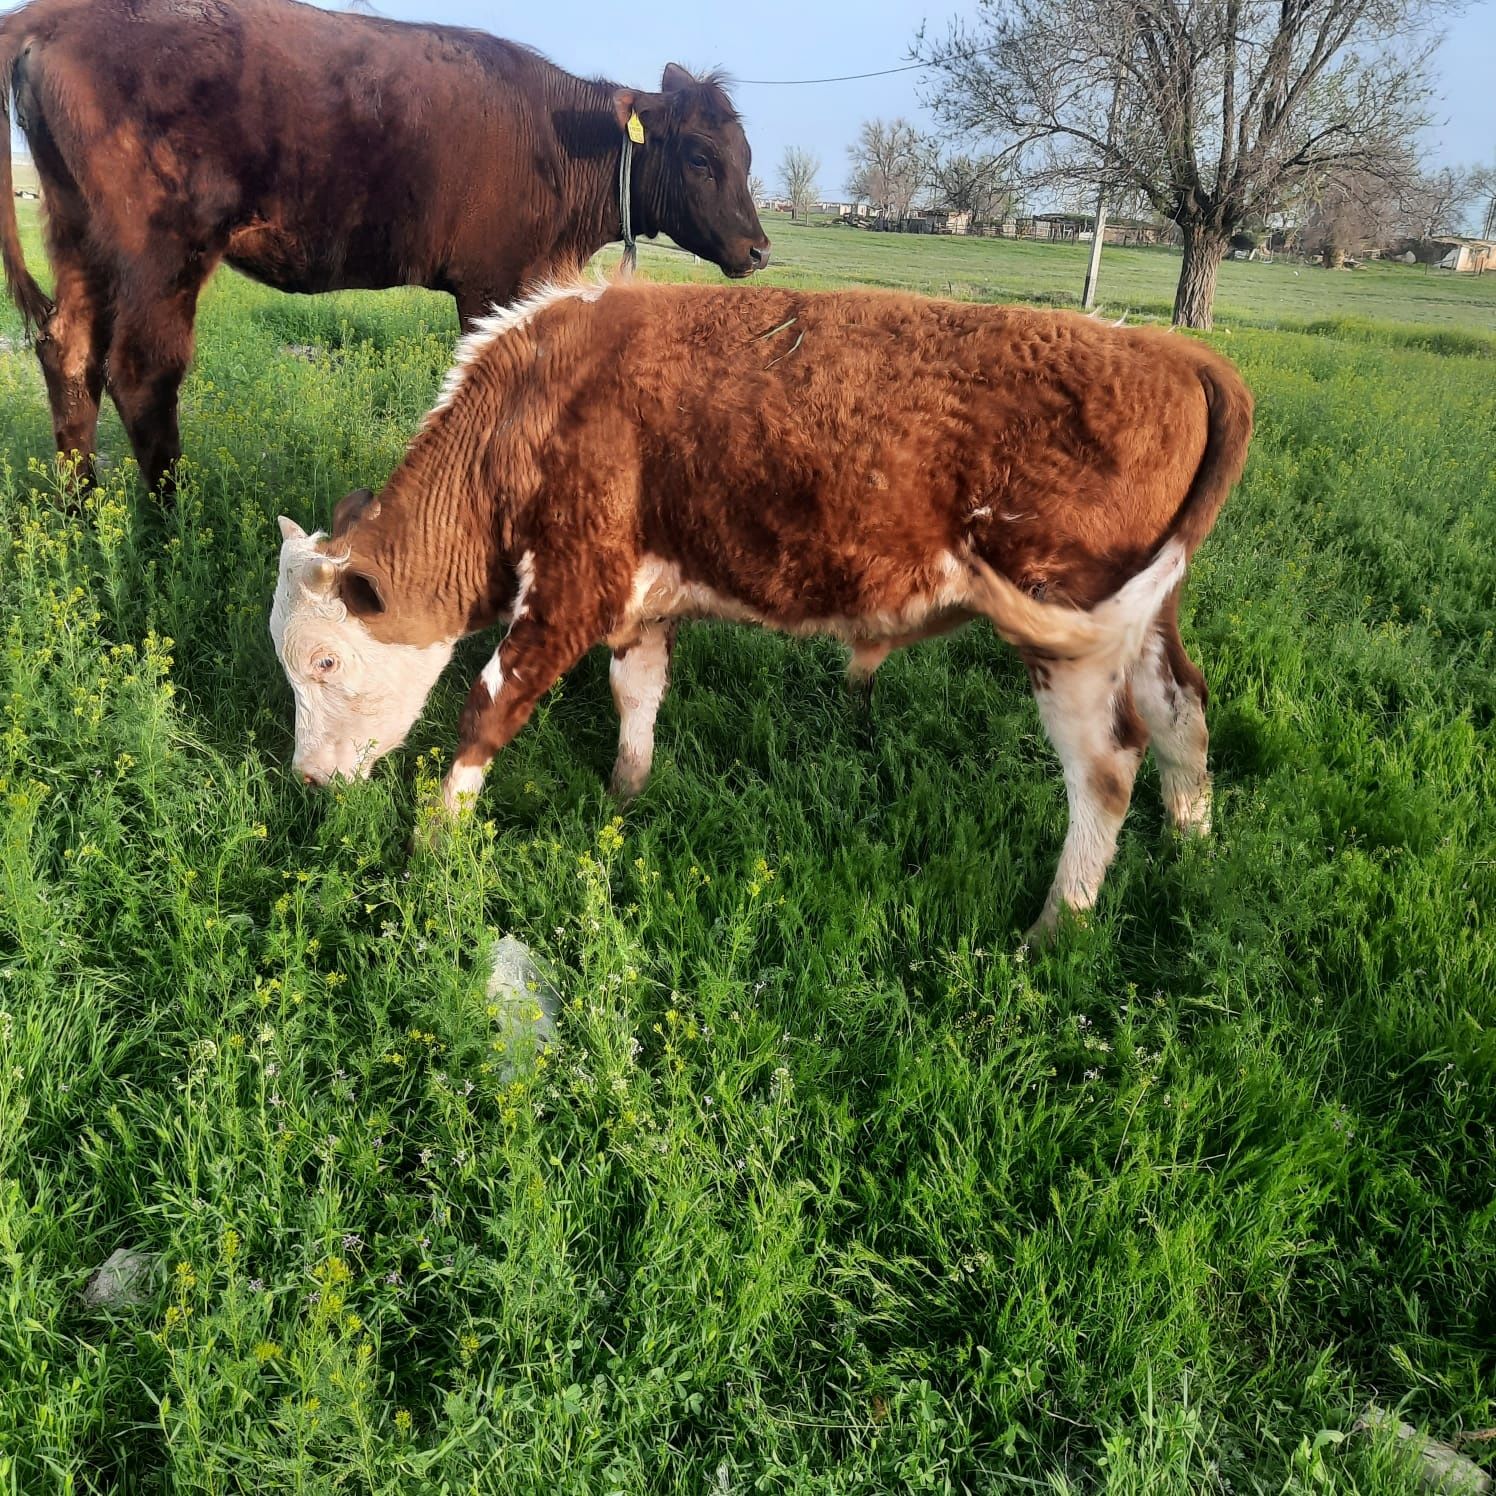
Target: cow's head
691,172
357,694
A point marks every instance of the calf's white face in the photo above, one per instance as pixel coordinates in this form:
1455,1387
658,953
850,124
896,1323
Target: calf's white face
356,697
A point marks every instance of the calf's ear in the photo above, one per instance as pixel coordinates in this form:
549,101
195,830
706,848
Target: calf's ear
360,504
362,593
676,78
290,530
623,106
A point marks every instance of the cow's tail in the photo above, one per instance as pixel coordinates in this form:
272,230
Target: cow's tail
1120,622
35,305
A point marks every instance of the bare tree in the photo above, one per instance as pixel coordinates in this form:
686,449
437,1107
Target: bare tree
1434,202
756,189
1216,111
1348,214
798,170
975,184
888,162
1485,198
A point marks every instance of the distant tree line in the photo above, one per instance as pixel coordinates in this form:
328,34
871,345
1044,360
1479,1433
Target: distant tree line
894,168
1221,115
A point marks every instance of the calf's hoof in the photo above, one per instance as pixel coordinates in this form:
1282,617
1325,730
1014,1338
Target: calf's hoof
1045,931
460,789
1189,808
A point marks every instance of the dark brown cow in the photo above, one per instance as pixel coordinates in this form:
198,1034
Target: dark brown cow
876,467
317,152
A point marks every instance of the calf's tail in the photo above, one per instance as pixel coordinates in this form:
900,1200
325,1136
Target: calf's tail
1057,630
1228,404
34,303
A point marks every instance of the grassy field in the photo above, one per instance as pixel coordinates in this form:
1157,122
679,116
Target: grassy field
1141,281
827,1185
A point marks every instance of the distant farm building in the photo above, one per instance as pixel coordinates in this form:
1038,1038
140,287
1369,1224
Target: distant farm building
937,221
1466,256
1062,227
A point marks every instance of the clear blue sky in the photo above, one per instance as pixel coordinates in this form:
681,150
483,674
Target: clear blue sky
818,38
821,38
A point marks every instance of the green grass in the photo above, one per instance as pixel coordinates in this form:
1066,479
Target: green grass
827,1186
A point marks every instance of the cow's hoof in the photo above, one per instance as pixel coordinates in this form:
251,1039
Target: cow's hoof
627,782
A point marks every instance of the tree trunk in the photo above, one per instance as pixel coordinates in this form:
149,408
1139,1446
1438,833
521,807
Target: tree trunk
1204,249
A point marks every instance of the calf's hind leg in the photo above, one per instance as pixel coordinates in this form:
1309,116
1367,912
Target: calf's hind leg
1170,694
1087,709
639,676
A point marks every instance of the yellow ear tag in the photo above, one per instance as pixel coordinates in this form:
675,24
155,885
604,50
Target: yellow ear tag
636,129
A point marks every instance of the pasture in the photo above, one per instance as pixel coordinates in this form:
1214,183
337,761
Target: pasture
827,1185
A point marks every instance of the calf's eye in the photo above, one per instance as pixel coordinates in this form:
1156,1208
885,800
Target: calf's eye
324,664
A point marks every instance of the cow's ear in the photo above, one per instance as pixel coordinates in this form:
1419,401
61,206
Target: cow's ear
360,504
290,530
363,594
624,101
676,78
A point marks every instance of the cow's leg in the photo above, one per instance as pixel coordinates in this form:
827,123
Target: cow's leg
471,305
474,305
867,655
148,357
1088,711
73,345
543,644
1170,694
639,676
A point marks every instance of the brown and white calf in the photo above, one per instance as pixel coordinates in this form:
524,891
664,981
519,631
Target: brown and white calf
882,468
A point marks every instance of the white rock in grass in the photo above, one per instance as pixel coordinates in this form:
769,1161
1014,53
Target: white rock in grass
1440,1468
129,1277
527,1003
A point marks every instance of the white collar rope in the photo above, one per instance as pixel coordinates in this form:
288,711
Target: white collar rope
626,205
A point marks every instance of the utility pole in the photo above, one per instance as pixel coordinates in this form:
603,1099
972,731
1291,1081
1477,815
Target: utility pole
1098,231
1093,267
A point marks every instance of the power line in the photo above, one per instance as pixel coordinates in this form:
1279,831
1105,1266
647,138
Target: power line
842,78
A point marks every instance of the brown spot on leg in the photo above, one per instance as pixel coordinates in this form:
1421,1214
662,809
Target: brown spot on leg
1111,787
1129,731
1037,667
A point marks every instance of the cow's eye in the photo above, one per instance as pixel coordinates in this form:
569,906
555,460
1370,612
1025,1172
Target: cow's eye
325,664
698,162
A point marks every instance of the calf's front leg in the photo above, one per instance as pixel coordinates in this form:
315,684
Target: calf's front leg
639,676
538,650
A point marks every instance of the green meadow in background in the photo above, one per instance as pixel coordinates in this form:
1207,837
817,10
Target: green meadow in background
828,1185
